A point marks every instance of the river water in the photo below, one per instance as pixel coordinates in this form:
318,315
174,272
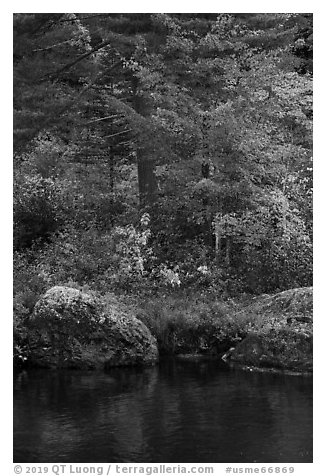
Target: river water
176,412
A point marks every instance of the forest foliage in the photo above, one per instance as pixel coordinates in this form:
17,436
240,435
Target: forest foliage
162,151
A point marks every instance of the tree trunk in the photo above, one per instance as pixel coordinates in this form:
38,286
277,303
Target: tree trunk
217,237
206,172
228,252
147,182
111,170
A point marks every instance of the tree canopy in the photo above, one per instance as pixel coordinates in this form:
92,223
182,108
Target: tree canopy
164,148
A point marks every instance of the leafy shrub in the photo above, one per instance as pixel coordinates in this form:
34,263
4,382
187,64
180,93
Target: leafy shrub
271,249
131,251
20,333
73,256
30,282
120,260
38,209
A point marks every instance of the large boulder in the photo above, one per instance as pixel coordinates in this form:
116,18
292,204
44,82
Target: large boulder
282,349
281,332
70,328
293,305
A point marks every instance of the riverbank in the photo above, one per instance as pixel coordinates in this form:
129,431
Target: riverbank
270,332
266,332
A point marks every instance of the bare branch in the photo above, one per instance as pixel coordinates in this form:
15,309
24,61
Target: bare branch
118,133
104,118
52,46
80,58
85,18
125,142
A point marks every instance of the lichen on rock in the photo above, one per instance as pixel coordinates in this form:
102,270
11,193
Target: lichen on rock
280,349
282,334
71,328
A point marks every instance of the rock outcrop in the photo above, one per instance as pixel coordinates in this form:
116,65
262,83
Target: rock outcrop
282,335
293,304
70,328
282,349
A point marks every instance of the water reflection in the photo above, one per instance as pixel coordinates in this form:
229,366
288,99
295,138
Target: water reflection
175,412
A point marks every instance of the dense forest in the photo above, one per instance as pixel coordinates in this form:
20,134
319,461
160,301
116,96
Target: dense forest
162,153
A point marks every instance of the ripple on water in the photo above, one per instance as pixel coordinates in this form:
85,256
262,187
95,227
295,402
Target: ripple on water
174,412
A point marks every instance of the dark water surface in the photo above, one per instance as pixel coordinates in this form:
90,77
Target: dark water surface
177,412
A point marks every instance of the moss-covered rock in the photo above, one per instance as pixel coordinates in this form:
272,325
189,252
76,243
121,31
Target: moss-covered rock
280,349
281,335
293,305
70,328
